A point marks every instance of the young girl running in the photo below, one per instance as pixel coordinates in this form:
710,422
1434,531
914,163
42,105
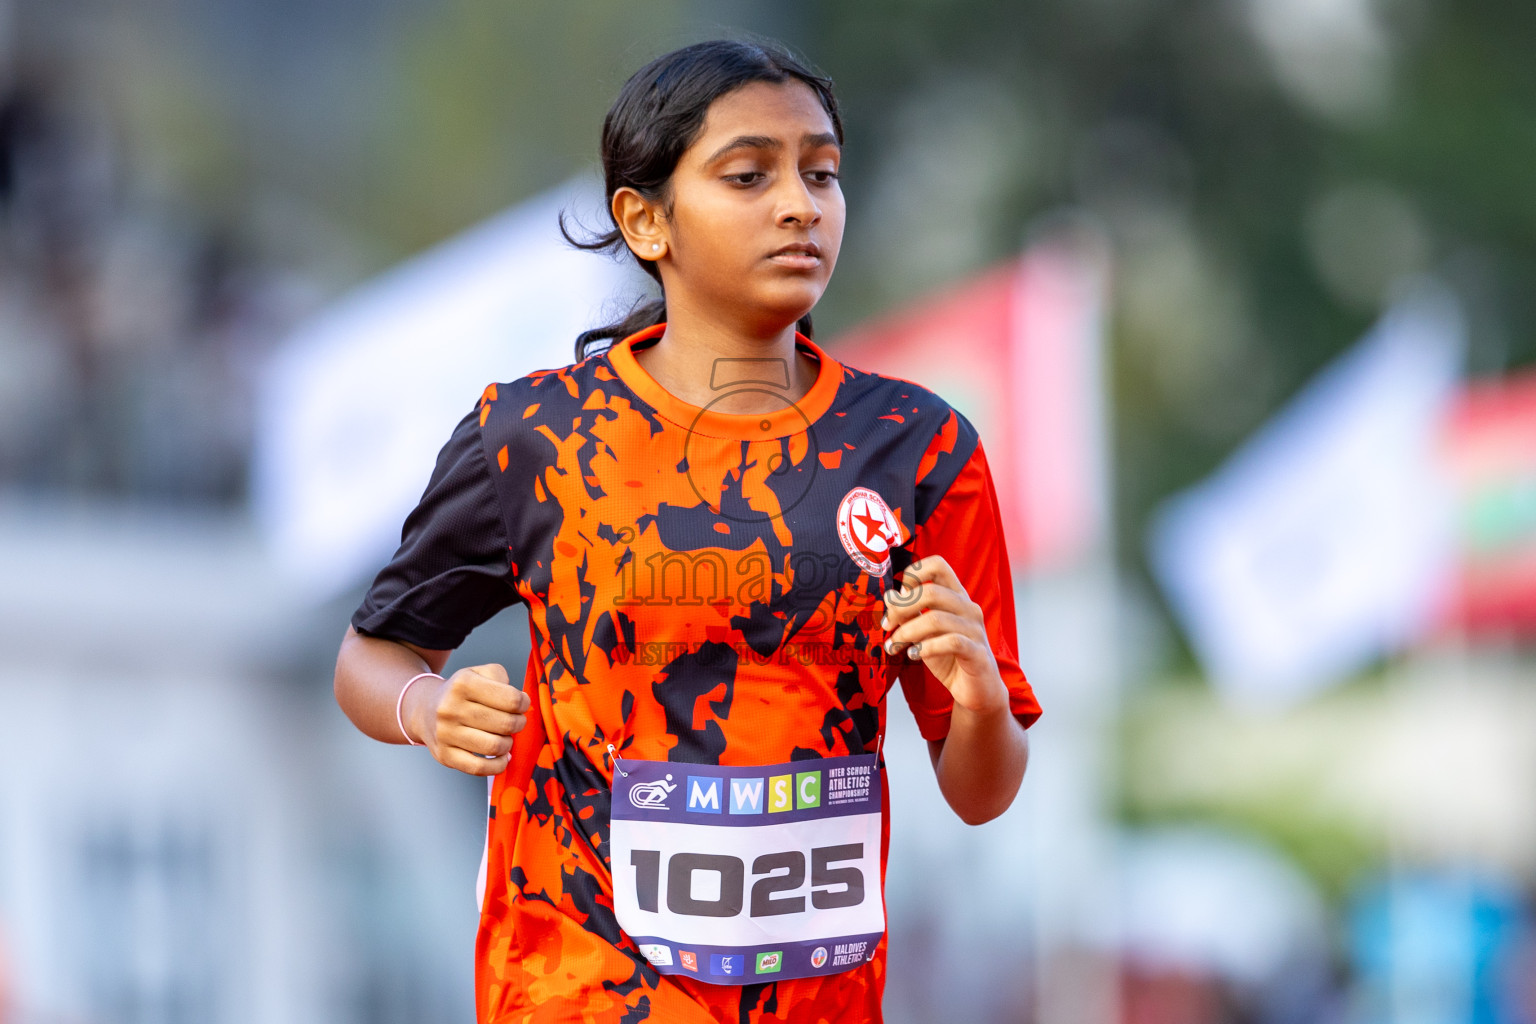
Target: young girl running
731,548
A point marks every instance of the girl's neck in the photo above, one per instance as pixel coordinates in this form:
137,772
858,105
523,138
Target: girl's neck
731,371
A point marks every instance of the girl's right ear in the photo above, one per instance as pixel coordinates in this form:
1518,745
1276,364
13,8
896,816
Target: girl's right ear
639,221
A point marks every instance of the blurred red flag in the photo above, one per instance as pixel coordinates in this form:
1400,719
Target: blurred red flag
1491,452
1017,350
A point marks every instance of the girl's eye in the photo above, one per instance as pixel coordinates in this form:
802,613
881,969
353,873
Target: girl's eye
822,177
745,177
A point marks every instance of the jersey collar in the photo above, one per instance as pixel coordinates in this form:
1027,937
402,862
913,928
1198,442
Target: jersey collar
792,418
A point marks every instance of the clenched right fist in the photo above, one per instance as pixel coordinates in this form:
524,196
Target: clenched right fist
468,720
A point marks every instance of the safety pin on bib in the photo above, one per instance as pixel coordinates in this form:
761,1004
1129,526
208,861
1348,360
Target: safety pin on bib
616,767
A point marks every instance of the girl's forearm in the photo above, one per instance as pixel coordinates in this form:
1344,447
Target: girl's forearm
980,765
369,675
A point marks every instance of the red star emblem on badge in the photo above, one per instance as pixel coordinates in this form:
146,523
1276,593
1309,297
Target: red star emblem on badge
873,527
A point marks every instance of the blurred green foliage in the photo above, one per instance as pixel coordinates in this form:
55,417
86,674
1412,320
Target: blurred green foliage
1426,762
1169,120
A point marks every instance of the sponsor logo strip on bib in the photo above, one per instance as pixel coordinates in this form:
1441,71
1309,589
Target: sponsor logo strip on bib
726,965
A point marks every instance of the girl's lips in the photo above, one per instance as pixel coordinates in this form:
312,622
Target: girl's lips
796,258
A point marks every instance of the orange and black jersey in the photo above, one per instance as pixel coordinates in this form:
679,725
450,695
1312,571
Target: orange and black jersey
702,587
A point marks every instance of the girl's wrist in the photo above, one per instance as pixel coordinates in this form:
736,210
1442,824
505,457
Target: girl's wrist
989,710
408,704
994,702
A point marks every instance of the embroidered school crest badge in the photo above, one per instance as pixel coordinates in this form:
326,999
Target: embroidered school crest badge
868,530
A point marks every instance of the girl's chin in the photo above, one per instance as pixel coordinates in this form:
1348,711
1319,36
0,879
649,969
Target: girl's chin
787,315
791,300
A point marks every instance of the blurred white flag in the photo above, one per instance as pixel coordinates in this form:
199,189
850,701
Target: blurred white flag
1325,540
358,401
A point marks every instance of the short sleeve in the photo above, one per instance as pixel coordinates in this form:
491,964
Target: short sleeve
452,570
965,527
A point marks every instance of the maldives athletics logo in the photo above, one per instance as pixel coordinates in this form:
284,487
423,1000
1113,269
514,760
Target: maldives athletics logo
868,530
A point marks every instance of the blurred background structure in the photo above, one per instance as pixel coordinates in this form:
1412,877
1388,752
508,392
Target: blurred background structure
1241,294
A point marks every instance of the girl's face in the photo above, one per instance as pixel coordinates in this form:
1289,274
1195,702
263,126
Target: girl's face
756,210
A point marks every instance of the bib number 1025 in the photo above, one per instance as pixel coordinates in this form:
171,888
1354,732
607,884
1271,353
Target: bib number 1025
780,879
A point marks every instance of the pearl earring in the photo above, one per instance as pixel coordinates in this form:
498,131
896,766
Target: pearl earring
655,247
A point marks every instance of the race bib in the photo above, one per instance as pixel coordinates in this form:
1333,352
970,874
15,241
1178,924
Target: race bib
742,875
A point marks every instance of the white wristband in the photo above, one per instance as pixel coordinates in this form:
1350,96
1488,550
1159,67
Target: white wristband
400,704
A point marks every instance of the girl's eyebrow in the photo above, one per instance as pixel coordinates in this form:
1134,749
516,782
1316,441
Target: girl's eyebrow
745,142
810,140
